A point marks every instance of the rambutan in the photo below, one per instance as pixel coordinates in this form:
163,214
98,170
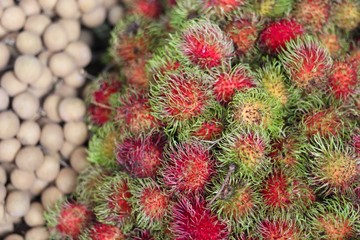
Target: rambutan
101,231
273,8
150,203
222,7
112,200
189,167
192,220
256,110
184,11
333,168
179,97
355,143
280,229
334,42
203,129
227,83
276,34
307,63
102,146
246,150
336,218
134,112
235,201
204,44
346,14
343,79
243,33
146,8
326,122
163,62
313,14
272,80
100,110
68,219
141,156
136,73
285,150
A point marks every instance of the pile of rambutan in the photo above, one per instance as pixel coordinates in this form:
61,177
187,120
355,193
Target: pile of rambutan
224,119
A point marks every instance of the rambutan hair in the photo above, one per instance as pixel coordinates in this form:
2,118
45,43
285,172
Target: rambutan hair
343,79
191,219
256,110
204,44
134,114
68,219
112,201
313,14
188,168
247,149
100,231
141,156
334,168
276,34
307,63
229,80
345,14
151,204
221,8
274,228
273,8
147,8
335,218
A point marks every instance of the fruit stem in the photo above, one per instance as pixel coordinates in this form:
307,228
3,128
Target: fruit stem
226,180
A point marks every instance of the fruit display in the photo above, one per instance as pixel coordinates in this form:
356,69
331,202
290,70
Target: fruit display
224,119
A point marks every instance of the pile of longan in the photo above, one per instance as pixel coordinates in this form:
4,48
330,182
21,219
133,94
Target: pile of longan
44,48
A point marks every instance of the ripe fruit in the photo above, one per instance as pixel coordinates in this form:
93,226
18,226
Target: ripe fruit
100,231
346,15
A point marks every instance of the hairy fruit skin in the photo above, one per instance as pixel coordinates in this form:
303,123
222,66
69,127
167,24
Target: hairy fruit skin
192,220
205,44
279,230
307,64
141,156
326,122
275,35
313,14
343,80
189,168
101,231
345,14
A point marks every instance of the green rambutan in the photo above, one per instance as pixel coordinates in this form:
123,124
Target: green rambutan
188,167
204,44
112,201
151,204
193,220
346,14
68,219
247,150
343,79
100,231
236,201
256,110
222,7
141,156
102,146
313,14
244,33
336,218
183,11
272,80
273,8
307,63
229,80
333,167
134,113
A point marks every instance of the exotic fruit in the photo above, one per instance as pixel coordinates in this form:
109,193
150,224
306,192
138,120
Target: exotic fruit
217,120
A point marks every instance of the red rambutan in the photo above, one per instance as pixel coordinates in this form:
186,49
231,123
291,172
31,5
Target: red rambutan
244,33
355,142
192,220
112,200
307,63
69,219
100,231
221,7
135,72
132,48
205,44
209,130
147,8
313,14
343,79
276,34
134,112
326,122
141,156
227,84
279,230
189,167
